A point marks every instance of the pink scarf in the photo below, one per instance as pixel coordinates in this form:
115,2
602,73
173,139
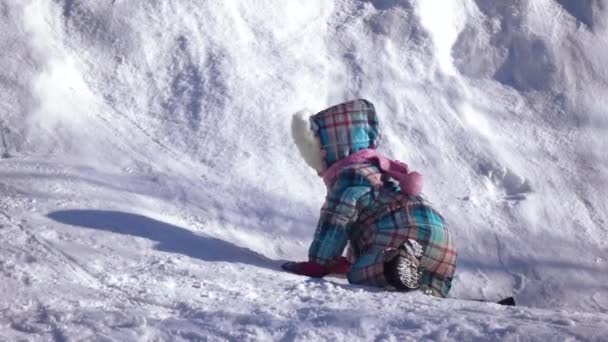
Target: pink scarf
410,182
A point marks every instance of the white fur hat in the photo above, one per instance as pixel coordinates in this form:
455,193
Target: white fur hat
304,138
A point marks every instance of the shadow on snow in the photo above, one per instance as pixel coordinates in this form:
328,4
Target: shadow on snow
170,238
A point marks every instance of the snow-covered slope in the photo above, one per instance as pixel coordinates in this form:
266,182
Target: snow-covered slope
150,188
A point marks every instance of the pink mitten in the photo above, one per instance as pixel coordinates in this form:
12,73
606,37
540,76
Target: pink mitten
307,268
341,266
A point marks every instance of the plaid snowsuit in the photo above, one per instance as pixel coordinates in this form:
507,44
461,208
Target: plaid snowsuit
367,208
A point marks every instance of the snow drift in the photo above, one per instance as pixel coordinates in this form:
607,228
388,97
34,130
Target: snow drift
174,117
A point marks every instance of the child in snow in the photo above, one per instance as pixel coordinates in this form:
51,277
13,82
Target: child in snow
373,204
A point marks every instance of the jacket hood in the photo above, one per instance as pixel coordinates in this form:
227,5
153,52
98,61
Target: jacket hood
345,129
306,142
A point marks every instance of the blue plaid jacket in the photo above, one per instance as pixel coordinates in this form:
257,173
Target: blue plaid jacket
367,209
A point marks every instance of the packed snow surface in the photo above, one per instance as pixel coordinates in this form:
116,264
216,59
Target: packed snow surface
150,188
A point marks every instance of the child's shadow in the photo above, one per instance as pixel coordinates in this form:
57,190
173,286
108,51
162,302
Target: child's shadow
170,238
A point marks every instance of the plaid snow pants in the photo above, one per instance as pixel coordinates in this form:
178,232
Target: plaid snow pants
377,239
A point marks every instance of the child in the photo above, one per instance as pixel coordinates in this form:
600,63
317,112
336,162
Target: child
374,204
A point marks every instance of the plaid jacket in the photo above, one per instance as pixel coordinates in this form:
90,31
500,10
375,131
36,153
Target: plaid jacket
345,129
367,208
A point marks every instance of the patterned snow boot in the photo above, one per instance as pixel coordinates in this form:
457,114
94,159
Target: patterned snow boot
403,271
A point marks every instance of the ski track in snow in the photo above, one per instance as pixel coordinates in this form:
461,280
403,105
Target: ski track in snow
150,189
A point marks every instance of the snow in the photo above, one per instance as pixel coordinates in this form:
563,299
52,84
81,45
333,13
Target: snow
150,187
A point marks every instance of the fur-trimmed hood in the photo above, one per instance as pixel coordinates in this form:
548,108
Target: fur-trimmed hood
335,133
305,140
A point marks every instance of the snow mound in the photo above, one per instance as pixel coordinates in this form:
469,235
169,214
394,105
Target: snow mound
151,189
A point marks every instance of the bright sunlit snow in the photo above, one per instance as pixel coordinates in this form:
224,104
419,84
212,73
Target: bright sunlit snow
150,187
